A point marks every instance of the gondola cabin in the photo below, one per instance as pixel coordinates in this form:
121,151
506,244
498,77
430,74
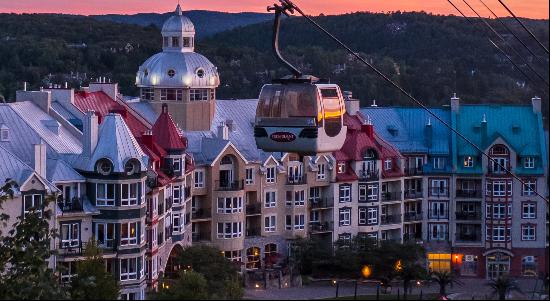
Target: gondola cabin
300,117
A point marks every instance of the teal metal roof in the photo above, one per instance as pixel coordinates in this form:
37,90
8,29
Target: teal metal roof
516,125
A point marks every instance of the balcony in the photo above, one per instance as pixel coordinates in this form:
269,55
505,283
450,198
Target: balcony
412,216
438,214
468,216
253,232
470,193
391,196
325,203
468,237
414,171
413,194
497,171
390,219
74,205
198,237
296,180
80,249
369,175
321,227
202,214
254,208
229,186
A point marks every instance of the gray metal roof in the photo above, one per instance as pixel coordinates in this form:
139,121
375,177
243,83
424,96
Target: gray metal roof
13,168
154,72
115,143
60,171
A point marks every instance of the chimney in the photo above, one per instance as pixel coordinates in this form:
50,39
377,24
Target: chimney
484,128
40,159
536,101
455,103
24,86
368,128
147,139
111,89
352,105
42,98
223,131
374,105
428,133
90,133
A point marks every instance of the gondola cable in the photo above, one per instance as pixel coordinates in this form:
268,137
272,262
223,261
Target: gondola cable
290,6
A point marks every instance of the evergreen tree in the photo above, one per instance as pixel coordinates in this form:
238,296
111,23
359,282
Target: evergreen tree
93,282
26,271
190,285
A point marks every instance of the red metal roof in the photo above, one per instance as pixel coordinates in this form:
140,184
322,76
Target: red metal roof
102,104
166,134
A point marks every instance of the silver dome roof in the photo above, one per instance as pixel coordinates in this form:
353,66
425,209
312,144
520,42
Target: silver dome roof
178,70
178,24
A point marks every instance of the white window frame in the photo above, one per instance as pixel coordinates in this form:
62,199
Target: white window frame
341,167
363,215
271,175
4,135
300,198
321,172
128,199
439,187
199,179
344,193
468,161
105,200
270,199
529,187
529,162
230,230
529,210
440,233
372,216
106,239
288,222
528,232
70,241
299,222
177,222
129,240
176,164
36,202
438,163
439,210
129,263
230,205
363,191
388,164
177,194
249,178
504,188
372,192
270,223
344,217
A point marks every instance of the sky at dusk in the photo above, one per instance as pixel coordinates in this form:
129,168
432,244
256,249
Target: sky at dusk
537,9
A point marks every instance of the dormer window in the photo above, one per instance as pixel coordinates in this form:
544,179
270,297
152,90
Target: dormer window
468,161
131,167
438,163
529,162
176,165
171,73
341,167
187,42
388,164
4,133
104,167
200,73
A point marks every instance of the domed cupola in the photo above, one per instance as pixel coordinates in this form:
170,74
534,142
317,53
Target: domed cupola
178,33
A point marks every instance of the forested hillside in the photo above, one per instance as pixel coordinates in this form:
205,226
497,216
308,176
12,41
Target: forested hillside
431,56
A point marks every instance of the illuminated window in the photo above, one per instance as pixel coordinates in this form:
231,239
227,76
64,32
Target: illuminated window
128,233
529,266
439,262
469,161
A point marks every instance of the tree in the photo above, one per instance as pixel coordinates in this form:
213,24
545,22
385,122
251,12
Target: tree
25,271
502,286
219,272
190,285
444,279
93,282
410,272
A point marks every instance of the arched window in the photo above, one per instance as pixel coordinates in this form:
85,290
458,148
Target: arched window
132,166
499,150
500,162
227,160
253,258
104,166
271,254
370,154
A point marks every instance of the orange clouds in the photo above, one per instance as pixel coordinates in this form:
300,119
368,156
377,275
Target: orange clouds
537,9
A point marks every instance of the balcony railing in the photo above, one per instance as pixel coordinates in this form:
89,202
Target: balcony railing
498,171
198,237
473,193
391,196
319,227
253,232
369,175
322,203
79,250
390,219
201,214
296,180
74,205
436,214
230,186
438,237
413,194
412,216
414,171
468,237
468,216
254,208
